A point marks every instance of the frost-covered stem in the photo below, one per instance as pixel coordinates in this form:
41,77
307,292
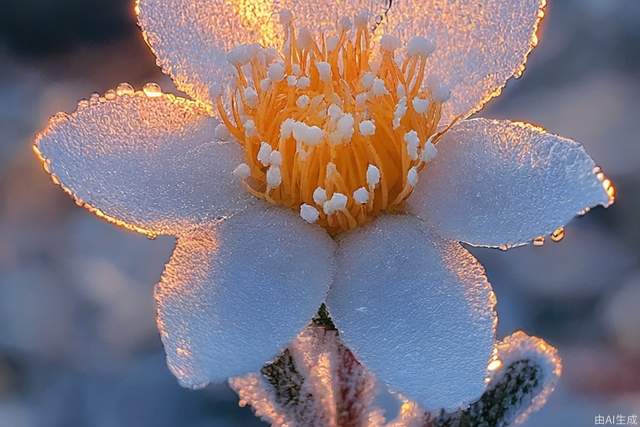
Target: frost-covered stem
317,381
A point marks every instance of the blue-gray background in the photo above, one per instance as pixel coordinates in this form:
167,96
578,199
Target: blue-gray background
78,344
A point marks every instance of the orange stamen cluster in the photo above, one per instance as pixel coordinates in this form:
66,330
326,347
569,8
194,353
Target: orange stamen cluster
327,129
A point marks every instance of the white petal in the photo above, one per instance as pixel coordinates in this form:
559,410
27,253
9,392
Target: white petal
146,163
416,310
237,291
479,44
501,183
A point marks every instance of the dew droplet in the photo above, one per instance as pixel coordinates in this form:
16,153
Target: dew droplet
242,403
558,234
95,99
83,103
538,241
125,89
503,247
152,90
110,95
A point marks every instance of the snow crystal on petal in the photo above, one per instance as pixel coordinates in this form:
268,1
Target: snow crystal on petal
416,310
221,297
501,183
146,163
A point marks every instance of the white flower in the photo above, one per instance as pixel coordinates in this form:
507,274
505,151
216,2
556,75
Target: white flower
248,272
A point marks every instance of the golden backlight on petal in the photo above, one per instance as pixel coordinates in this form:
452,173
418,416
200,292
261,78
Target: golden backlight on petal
257,16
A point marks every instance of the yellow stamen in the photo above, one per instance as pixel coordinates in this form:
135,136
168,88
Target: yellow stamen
312,117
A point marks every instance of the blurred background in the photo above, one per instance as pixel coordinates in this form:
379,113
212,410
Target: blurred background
78,343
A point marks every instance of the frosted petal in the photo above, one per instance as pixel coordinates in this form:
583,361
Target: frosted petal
501,183
191,37
146,163
237,291
416,310
480,44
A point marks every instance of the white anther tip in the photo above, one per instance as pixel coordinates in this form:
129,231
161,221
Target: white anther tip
373,176
324,70
242,171
420,46
339,201
319,196
361,196
344,24
274,177
250,128
440,92
412,177
276,71
420,105
275,158
367,128
292,81
264,154
429,152
309,213
362,18
302,101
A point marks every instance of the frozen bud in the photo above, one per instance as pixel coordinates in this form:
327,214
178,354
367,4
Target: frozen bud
440,92
276,71
264,154
251,96
324,70
412,141
420,46
373,176
286,17
292,81
275,158
420,105
309,213
339,201
303,101
274,177
344,24
265,84
367,128
250,128
222,133
412,177
389,43
303,82
362,19
378,88
367,80
242,171
361,196
429,152
319,195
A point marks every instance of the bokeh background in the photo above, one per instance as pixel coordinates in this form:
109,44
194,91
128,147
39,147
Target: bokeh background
78,344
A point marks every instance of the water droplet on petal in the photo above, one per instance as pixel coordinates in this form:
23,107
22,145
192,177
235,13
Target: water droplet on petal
125,89
503,247
152,90
110,95
558,234
83,103
538,241
95,99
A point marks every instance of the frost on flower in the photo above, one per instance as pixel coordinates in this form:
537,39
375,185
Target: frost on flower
326,157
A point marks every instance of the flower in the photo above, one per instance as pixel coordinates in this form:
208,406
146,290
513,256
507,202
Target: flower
359,127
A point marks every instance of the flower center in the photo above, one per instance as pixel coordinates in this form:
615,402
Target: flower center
329,130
